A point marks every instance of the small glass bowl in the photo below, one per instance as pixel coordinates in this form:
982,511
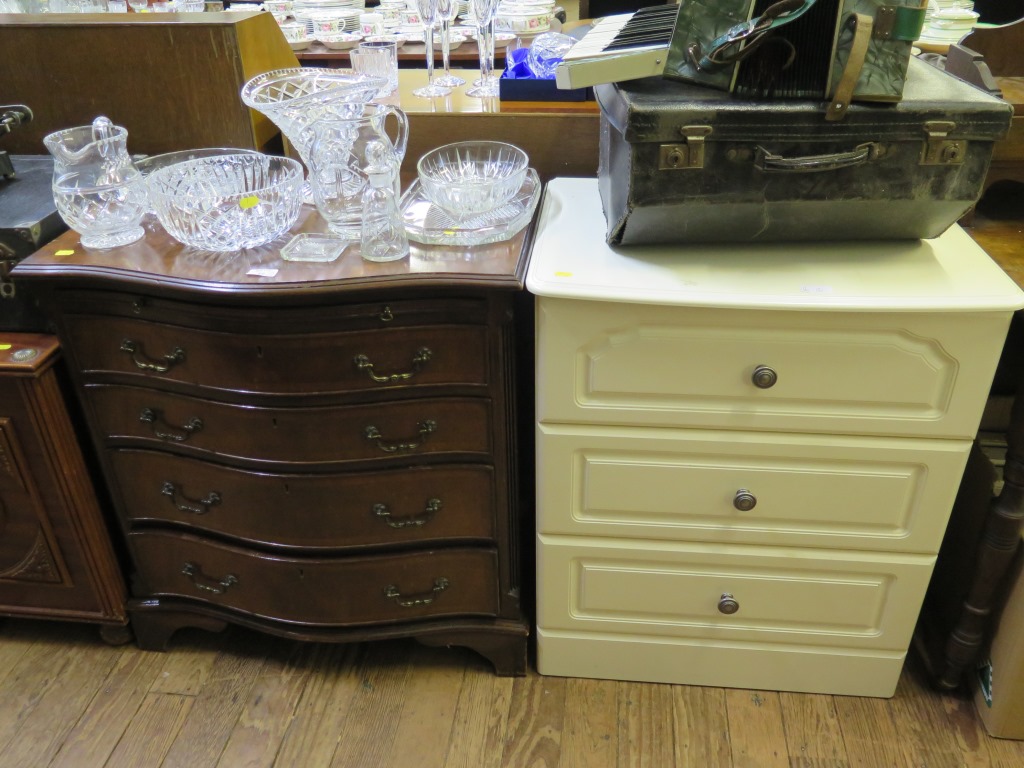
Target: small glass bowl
472,177
227,202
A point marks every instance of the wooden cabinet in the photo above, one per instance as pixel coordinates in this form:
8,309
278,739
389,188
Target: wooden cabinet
322,451
56,557
747,456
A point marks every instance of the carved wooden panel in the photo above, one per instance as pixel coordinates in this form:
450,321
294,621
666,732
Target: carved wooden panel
27,552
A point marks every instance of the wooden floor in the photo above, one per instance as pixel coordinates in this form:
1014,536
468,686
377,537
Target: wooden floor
242,699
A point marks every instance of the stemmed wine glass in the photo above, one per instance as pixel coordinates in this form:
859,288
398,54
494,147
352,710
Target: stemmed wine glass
484,12
428,15
447,10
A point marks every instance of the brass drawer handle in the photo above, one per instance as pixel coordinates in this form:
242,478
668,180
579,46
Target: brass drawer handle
176,356
764,377
423,354
150,416
194,573
744,500
424,429
195,506
383,511
426,598
727,604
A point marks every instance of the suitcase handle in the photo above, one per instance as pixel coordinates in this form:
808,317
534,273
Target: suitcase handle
771,163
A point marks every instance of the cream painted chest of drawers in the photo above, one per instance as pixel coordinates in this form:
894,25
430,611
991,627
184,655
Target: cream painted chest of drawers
746,456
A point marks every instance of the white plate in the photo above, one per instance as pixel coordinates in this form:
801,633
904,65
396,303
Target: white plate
501,39
426,223
300,45
342,41
399,40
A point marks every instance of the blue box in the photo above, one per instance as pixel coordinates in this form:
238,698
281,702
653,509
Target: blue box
516,84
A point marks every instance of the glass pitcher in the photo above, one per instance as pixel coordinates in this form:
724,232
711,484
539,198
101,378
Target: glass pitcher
97,188
337,163
99,150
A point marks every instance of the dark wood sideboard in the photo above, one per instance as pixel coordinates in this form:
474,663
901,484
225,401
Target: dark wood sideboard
320,451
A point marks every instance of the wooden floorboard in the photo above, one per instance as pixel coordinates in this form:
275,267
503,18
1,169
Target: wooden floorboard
241,699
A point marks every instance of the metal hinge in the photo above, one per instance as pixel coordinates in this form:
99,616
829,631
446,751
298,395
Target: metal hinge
939,149
686,155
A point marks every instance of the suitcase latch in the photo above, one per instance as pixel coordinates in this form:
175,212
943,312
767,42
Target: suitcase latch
7,262
939,149
689,154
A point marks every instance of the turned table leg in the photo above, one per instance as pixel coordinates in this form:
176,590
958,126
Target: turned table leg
999,542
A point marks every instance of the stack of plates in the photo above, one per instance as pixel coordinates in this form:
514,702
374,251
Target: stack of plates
311,10
947,21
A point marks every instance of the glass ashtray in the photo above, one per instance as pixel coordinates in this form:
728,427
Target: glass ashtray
432,225
314,247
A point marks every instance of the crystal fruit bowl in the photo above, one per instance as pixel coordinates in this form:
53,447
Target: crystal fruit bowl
227,202
472,177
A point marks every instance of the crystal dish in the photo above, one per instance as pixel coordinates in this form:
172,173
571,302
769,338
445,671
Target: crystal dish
227,202
471,177
309,246
432,225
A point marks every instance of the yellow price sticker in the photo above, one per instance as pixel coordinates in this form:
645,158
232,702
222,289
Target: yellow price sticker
5,346
563,274
65,252
248,202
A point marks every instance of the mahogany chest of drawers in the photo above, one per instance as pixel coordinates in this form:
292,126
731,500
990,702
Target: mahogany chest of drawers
322,451
747,456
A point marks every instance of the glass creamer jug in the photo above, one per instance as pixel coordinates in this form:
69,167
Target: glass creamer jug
337,163
97,188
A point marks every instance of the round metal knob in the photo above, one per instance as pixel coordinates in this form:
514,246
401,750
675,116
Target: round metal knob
727,604
764,377
744,500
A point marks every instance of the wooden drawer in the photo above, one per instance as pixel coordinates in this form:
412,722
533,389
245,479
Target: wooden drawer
427,427
124,349
785,595
343,591
918,374
312,313
849,492
392,507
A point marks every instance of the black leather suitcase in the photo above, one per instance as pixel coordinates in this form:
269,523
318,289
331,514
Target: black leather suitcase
686,163
28,221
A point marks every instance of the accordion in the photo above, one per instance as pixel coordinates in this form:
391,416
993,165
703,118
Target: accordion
834,50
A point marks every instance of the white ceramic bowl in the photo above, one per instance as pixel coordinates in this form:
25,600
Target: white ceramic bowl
340,41
472,177
454,41
398,40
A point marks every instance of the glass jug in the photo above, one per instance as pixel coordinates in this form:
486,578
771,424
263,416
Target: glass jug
337,163
97,189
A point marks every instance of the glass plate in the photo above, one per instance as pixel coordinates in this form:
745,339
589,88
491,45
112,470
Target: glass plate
426,223
310,246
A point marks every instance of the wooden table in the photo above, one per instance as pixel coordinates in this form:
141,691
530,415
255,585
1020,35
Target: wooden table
409,55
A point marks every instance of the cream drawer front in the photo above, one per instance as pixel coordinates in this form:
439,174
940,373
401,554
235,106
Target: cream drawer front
785,595
862,493
911,373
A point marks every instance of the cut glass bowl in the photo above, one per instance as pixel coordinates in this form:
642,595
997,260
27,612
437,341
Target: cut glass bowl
472,177
227,202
